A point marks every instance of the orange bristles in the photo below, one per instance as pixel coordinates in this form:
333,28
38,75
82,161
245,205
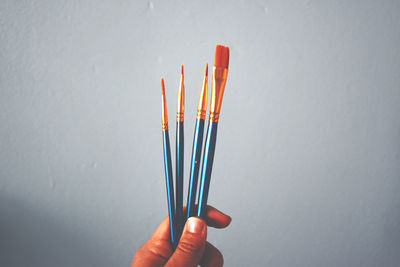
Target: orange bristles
164,116
202,106
221,56
162,86
181,98
220,73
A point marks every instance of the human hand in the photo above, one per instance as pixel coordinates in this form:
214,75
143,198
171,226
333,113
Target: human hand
192,250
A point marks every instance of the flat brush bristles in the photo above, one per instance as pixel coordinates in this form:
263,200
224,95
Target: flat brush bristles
220,73
221,59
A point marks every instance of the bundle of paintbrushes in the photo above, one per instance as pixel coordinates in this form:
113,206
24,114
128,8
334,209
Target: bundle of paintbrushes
175,202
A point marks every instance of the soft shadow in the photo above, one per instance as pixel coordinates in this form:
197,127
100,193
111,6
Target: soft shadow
30,237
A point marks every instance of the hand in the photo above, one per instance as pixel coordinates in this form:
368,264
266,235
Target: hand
192,250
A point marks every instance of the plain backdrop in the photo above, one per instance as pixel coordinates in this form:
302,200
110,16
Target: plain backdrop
307,160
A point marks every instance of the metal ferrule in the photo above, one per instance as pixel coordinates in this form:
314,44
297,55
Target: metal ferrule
217,92
164,115
201,114
179,116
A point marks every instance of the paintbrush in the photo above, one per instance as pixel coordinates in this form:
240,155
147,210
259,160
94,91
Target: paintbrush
197,144
168,168
220,73
179,156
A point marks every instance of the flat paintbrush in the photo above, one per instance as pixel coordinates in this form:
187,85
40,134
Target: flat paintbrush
197,144
220,73
168,168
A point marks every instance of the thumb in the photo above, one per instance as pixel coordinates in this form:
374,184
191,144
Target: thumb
191,245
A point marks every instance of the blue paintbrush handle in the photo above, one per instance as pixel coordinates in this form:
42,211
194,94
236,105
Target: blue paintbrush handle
194,167
170,188
208,159
179,177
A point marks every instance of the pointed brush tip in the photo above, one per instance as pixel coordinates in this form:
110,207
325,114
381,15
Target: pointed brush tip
221,56
162,86
181,85
206,70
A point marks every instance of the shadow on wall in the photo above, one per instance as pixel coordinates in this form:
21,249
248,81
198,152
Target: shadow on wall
29,237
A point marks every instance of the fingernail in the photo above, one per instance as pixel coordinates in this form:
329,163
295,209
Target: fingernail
195,226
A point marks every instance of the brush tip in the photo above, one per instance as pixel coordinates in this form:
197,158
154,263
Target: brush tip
206,70
221,56
181,69
162,86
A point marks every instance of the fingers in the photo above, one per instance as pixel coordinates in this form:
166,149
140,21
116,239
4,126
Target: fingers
212,257
216,218
157,250
191,245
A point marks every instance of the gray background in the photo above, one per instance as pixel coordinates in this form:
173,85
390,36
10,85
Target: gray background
308,153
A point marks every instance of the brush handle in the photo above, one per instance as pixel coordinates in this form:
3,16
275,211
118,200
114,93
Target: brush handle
170,188
179,177
194,167
208,159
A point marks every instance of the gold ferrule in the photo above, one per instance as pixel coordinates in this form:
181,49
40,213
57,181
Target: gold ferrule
201,114
217,92
164,115
202,106
180,106
179,116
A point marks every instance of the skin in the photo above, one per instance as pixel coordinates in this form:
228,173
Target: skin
192,250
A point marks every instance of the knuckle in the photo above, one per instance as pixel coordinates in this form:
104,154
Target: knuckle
140,253
160,250
188,247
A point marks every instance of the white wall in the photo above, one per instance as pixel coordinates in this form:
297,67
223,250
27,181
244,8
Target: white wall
308,153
